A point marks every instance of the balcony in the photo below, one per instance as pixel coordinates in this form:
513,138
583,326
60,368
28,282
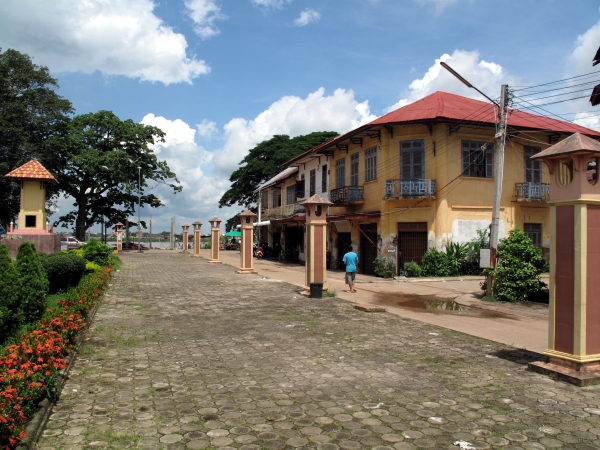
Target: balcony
418,188
272,212
534,192
347,195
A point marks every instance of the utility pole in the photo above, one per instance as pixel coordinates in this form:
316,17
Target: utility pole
499,173
150,231
139,232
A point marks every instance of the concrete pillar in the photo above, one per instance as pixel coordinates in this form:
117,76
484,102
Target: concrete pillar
12,224
119,231
316,241
574,310
197,225
247,241
215,234
185,228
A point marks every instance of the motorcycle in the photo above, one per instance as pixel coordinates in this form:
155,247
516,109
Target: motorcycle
258,253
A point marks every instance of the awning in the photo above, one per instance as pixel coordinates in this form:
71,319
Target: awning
234,234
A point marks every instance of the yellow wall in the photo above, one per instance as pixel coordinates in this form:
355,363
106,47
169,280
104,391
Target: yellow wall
33,203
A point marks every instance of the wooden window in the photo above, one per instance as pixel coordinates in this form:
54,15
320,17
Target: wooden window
412,160
312,182
534,232
340,173
264,199
276,198
290,195
477,159
533,169
371,164
354,169
324,178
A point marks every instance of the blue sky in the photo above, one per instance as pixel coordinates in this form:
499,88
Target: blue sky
219,76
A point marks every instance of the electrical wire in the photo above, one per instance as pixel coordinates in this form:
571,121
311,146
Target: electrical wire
564,80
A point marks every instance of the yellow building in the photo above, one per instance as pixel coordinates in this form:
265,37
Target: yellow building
33,178
423,175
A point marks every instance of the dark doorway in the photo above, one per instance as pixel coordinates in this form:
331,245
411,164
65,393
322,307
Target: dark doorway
412,242
293,242
343,241
368,248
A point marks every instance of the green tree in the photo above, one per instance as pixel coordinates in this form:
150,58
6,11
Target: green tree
264,162
32,116
34,283
10,296
98,168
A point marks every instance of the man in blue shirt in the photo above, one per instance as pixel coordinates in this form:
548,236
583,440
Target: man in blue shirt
351,260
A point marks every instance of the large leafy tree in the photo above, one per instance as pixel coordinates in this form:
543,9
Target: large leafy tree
99,166
32,116
264,162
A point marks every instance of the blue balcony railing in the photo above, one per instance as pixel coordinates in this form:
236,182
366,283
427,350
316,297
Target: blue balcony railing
418,188
532,191
347,195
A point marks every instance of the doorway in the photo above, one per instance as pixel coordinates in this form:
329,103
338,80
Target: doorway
343,241
368,248
412,242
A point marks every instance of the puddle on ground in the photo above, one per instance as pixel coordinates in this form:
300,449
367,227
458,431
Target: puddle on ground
438,305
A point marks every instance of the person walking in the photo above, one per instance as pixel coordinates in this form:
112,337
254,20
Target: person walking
350,260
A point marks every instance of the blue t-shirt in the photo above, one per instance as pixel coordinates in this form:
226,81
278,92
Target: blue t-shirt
350,259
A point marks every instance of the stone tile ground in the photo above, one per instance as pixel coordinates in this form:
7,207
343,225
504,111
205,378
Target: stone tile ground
187,355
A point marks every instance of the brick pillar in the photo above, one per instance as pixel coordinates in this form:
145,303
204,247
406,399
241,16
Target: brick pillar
247,241
197,225
215,246
185,228
119,230
316,240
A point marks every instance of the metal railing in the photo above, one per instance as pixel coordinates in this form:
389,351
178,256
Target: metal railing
532,191
396,189
347,195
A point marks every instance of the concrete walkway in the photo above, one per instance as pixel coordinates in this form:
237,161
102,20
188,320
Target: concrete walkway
183,354
523,325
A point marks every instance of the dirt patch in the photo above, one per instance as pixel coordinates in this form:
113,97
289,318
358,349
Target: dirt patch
438,305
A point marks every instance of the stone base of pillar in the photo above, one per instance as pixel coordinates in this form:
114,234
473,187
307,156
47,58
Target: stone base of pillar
582,373
196,256
215,261
247,271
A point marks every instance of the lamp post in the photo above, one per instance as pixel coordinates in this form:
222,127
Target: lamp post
139,206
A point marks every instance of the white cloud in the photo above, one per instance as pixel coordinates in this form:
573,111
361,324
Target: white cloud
204,13
439,5
207,129
270,3
486,76
293,116
307,16
114,37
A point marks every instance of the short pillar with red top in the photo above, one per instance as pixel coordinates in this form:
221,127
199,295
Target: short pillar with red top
185,228
197,244
246,247
119,231
316,208
574,310
215,234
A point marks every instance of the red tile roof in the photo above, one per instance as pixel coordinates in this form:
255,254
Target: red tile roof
443,105
31,170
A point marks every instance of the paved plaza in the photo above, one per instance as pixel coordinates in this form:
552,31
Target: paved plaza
183,354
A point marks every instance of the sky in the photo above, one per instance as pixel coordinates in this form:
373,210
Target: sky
221,76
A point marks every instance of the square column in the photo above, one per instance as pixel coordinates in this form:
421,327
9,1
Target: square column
119,231
246,246
185,227
215,247
197,225
316,241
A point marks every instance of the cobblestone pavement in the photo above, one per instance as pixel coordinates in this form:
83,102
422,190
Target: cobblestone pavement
183,354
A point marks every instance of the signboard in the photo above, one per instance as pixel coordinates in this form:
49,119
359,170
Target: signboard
485,258
391,250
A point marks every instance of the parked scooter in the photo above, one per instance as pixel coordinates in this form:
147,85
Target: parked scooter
258,252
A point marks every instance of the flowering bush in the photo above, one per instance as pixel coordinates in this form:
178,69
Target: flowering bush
28,368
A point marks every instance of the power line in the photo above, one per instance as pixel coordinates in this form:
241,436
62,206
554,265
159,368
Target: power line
564,80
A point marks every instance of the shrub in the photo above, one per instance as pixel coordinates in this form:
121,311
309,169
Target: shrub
63,270
92,267
97,252
413,270
434,263
517,274
34,283
456,255
385,268
10,296
471,263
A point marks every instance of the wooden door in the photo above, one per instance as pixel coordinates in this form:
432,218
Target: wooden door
412,242
368,248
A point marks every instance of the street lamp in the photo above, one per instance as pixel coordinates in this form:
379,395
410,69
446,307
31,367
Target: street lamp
139,206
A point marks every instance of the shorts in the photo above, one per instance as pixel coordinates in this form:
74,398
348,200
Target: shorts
350,276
